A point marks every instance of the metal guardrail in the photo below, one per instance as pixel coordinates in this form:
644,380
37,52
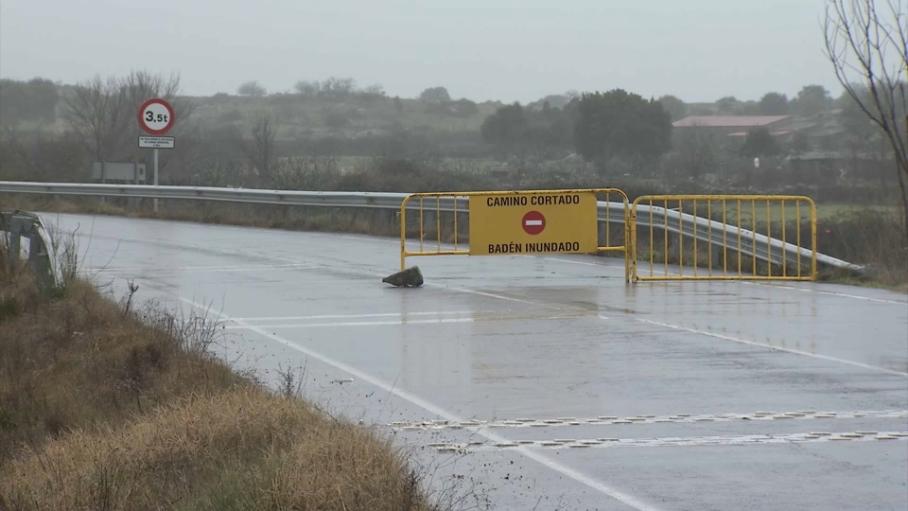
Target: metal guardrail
611,212
42,256
250,195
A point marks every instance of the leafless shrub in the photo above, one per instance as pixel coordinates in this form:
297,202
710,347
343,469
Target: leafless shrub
131,288
291,381
194,332
66,249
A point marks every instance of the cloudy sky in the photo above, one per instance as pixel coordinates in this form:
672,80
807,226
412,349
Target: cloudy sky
699,50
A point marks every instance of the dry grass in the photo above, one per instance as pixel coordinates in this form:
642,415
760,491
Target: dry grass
77,361
869,237
105,409
238,449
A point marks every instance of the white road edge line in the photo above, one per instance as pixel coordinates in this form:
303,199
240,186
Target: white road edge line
243,325
540,458
774,348
696,331
215,268
827,293
352,316
764,284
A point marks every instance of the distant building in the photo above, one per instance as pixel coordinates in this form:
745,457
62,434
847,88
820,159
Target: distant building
736,125
816,166
119,172
823,130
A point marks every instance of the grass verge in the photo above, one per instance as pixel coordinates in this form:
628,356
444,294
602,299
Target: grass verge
103,408
870,237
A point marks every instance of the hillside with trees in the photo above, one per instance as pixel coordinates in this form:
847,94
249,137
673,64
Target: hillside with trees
334,133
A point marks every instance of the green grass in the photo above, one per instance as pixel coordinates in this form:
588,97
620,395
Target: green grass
827,211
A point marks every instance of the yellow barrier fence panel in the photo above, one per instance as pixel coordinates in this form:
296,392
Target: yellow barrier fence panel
436,225
514,222
756,229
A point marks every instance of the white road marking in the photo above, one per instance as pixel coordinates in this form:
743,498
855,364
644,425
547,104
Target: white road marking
211,268
771,347
650,419
351,316
488,295
571,261
696,441
242,325
430,407
828,293
694,331
657,323
773,285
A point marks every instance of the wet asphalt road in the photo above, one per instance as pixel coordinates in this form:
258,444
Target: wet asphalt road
547,382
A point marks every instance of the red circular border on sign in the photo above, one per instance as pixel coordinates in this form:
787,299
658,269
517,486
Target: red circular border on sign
533,229
170,113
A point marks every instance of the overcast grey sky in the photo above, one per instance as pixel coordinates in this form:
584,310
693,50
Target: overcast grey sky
510,50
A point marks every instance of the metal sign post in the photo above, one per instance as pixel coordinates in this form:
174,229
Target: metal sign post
156,176
156,117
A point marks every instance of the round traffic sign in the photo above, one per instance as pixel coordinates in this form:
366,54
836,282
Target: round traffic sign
156,116
533,222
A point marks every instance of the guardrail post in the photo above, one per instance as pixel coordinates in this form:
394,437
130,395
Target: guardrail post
18,224
630,250
403,233
13,248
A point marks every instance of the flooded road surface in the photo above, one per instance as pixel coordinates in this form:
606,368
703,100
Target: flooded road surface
547,382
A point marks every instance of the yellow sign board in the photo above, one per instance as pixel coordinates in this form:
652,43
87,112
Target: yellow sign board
533,223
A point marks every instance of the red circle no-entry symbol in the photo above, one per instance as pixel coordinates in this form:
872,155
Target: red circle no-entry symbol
533,222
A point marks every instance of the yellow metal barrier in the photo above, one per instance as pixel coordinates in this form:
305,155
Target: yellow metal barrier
439,242
723,237
439,224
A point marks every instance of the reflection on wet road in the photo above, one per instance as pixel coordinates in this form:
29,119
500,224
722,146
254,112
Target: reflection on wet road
546,382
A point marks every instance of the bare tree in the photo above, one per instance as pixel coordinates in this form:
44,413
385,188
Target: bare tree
697,150
102,112
260,149
252,88
141,85
868,48
95,110
136,88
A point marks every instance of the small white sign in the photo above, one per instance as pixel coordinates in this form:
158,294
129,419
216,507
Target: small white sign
156,142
